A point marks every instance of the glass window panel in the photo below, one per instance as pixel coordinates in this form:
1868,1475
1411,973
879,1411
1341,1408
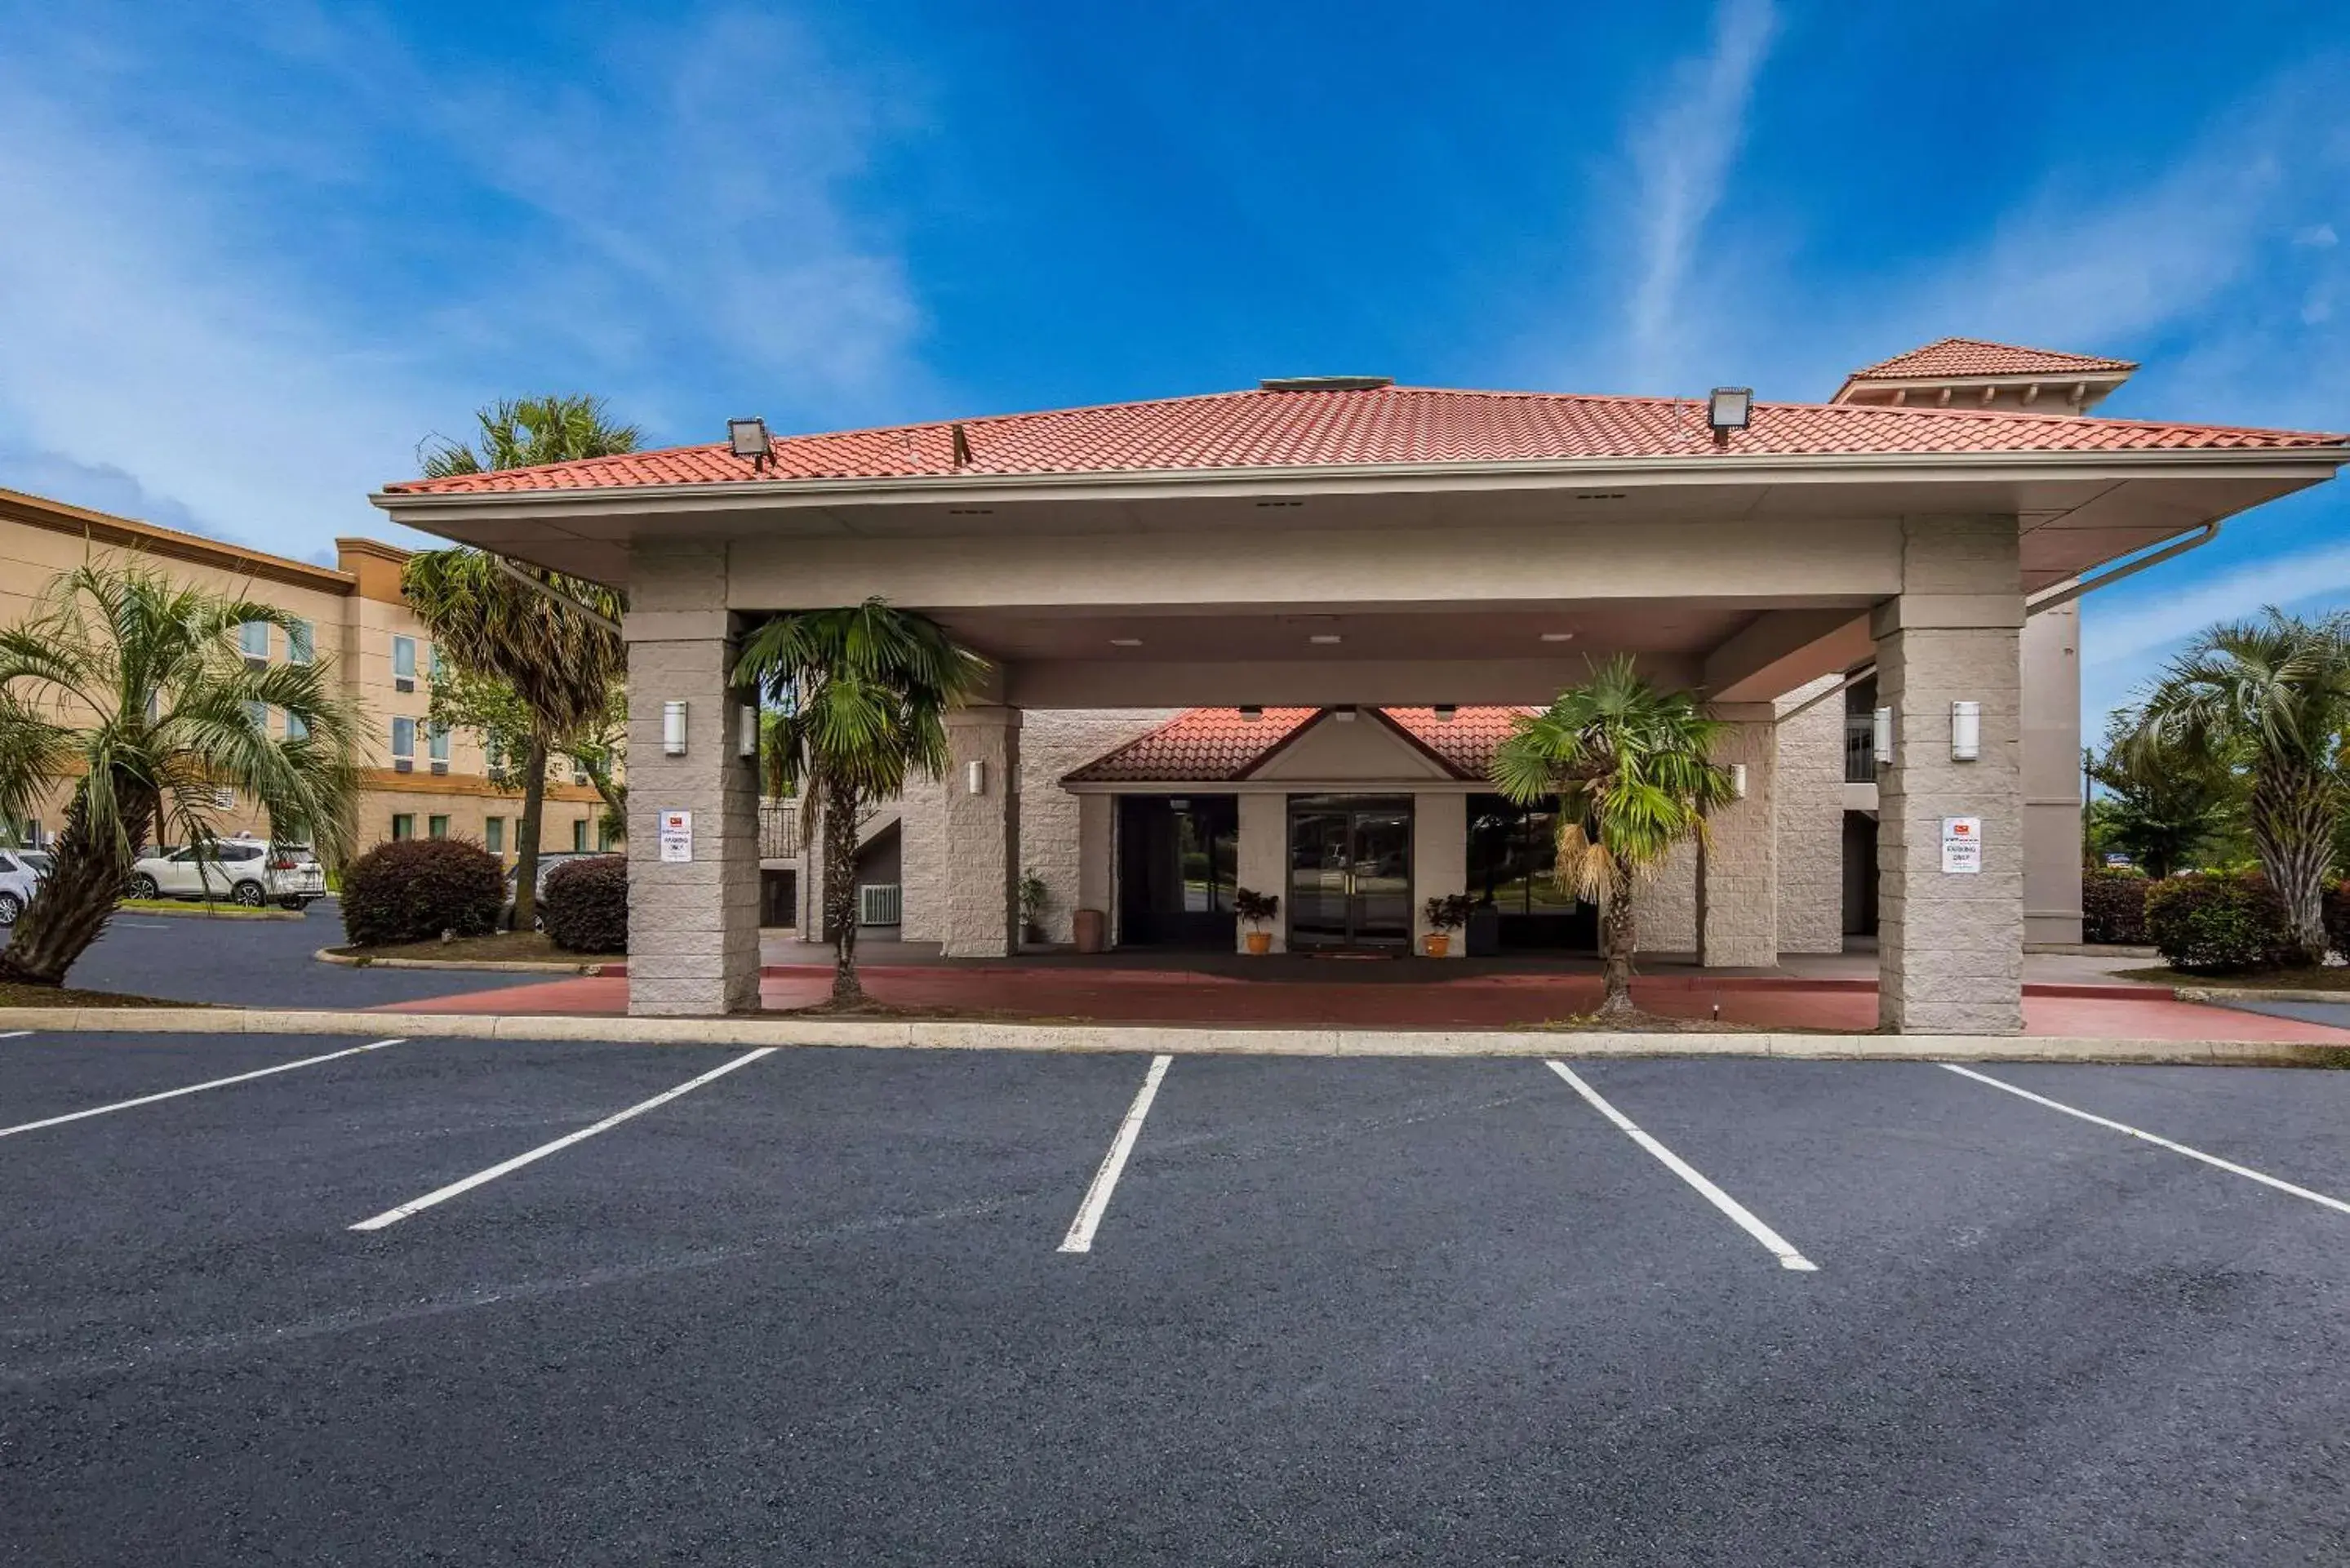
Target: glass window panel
440,743
296,729
403,658
403,737
253,638
494,835
257,715
300,643
438,827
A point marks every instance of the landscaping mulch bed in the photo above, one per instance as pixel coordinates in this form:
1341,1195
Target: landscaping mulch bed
15,995
511,947
2333,977
201,910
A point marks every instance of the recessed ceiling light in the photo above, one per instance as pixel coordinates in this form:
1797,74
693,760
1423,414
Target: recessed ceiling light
1325,636
1558,636
1126,643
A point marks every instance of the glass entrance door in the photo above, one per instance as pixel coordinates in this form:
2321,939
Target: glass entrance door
1349,872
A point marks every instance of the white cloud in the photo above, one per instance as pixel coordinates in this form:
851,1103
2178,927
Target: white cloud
2155,622
1681,156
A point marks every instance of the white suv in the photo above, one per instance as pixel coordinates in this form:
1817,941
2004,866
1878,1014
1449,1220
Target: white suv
18,879
246,871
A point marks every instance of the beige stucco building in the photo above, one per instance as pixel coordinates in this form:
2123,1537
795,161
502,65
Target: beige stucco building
417,784
1874,593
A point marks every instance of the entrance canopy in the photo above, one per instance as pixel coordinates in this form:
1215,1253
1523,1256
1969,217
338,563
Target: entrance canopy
1349,541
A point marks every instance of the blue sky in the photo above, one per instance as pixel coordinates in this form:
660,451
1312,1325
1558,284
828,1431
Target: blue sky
251,255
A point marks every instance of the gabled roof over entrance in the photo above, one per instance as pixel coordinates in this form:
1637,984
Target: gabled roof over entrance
1371,426
1978,357
1222,745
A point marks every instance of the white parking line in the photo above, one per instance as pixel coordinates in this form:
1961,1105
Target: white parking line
443,1194
193,1089
2230,1166
15,1034
1788,1257
1080,1238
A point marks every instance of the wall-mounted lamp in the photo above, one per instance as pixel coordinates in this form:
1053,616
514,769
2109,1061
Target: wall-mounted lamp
1738,780
746,731
1884,737
1966,732
673,729
974,776
1729,408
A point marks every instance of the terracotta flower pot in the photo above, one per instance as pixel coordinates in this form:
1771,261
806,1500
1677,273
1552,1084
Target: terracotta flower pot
1437,943
1259,942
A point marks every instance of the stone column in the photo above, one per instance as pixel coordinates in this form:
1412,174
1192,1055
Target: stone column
1439,862
1263,857
980,913
1097,846
1738,863
693,925
1951,946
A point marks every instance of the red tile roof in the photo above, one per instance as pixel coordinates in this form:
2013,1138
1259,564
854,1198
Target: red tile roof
1975,356
1382,425
1205,746
1216,745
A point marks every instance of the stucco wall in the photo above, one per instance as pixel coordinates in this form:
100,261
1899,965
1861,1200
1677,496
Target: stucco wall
1668,906
1810,803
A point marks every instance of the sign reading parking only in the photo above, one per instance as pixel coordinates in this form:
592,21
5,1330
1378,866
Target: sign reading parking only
676,836
1962,845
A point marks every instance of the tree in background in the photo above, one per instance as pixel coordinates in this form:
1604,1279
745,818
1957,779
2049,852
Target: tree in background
858,699
1627,766
136,688
2271,694
2164,804
492,709
561,667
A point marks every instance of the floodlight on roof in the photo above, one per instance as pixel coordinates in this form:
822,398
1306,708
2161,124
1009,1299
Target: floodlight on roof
748,439
1729,408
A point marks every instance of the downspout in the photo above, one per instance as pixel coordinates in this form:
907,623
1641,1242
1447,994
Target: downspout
549,591
2045,599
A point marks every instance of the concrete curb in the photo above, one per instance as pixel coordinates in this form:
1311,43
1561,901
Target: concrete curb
193,910
945,1035
485,966
2222,994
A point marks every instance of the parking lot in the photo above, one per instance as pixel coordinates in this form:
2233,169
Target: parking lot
830,1306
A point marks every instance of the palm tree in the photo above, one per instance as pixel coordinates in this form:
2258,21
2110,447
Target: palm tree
2272,696
561,665
136,688
859,697
524,432
2163,802
1626,764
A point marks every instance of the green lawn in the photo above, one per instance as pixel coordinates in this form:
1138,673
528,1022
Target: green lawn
507,946
2327,978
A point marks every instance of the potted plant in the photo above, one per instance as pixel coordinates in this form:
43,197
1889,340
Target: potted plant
1258,909
1444,915
1033,896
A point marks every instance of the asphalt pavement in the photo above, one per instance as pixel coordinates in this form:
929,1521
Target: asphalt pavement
251,964
817,1309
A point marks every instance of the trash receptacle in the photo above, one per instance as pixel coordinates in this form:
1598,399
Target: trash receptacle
1092,930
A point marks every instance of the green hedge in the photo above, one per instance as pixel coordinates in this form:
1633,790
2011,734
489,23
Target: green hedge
2113,908
2218,924
413,889
585,907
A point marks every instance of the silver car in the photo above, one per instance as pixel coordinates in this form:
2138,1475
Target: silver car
247,871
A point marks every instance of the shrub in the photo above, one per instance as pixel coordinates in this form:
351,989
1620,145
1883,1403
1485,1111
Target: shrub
2337,918
2113,908
2218,924
585,906
413,889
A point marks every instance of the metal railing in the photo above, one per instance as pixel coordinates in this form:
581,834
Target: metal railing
1859,748
779,829
880,904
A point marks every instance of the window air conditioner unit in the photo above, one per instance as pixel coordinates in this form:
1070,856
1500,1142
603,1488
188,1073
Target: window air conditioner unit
403,764
440,768
403,683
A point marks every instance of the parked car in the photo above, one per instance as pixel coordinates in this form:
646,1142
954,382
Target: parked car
547,862
247,871
39,859
19,880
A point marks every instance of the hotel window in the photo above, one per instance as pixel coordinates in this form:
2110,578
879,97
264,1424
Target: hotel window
579,836
437,737
403,826
437,826
296,729
494,835
403,744
301,643
253,641
257,715
604,836
432,660
403,664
